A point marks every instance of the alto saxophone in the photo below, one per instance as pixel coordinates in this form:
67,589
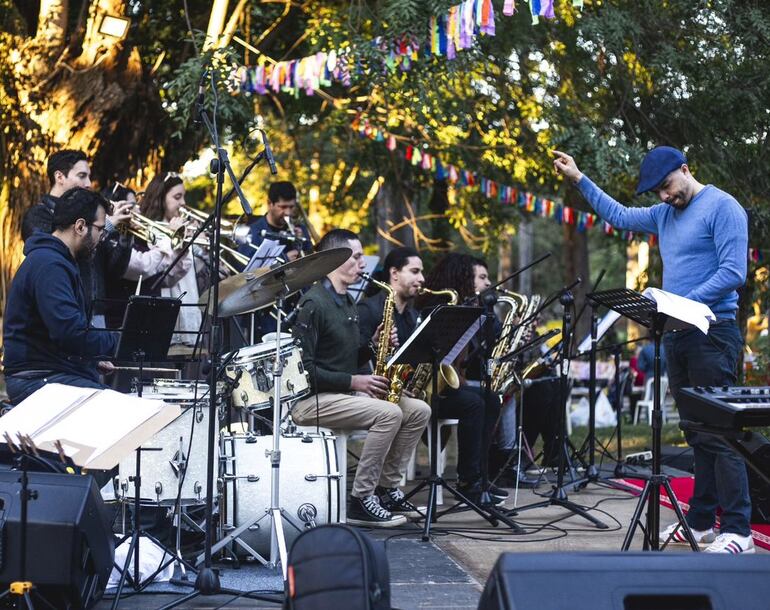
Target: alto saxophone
383,348
522,308
419,385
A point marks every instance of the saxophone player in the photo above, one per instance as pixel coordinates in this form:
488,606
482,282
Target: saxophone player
328,329
476,412
402,270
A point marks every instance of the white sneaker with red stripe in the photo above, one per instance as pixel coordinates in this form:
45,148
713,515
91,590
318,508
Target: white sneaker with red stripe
731,543
674,534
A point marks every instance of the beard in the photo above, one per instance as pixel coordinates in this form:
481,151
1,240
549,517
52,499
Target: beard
87,249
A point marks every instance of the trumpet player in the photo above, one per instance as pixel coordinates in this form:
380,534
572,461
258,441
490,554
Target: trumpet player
278,219
162,201
68,169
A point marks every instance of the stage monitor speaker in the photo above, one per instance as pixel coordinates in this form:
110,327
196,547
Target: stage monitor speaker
70,546
628,581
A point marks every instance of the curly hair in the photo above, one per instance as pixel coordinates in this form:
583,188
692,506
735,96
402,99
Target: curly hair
454,270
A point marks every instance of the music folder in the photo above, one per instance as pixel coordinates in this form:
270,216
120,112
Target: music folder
448,329
96,428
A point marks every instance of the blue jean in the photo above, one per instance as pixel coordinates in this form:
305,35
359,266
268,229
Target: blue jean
477,416
18,389
694,359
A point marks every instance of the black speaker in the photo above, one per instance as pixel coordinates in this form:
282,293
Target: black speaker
628,581
70,547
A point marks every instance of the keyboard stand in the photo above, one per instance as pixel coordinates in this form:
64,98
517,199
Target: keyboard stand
745,442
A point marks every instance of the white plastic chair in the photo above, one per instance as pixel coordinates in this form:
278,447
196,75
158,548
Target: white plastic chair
647,401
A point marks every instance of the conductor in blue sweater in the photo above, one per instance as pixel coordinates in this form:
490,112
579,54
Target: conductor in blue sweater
703,236
46,332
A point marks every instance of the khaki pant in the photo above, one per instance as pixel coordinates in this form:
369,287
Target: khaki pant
393,432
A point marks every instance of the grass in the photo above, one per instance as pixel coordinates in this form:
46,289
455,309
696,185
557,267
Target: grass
635,438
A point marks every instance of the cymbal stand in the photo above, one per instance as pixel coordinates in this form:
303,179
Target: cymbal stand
278,550
207,581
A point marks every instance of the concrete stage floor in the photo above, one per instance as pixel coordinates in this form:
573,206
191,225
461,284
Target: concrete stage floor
450,571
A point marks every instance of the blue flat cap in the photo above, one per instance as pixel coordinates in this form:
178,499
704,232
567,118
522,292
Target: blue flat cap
657,164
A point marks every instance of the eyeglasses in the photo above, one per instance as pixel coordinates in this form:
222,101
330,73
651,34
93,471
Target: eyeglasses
102,231
170,175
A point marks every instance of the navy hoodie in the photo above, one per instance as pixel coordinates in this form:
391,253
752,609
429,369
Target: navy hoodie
45,325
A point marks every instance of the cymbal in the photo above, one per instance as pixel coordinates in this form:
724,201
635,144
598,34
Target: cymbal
250,291
229,285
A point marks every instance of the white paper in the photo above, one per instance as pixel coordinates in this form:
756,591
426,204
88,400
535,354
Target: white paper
604,325
265,255
96,428
681,311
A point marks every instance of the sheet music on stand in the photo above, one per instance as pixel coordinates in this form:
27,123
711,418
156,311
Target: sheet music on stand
414,349
357,290
265,255
605,324
641,307
96,428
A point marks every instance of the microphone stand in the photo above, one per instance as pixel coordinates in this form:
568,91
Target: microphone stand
558,496
207,582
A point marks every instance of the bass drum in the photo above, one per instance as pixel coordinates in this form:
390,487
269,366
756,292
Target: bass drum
175,465
309,486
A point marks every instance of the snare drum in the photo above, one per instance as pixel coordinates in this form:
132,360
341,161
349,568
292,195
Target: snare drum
251,370
179,458
309,479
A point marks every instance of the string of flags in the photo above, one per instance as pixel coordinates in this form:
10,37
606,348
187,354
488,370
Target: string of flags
454,31
526,202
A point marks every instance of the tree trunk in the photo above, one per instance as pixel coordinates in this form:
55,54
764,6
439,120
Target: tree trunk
526,254
575,256
64,92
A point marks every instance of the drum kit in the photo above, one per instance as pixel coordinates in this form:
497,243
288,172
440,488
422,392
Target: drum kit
259,487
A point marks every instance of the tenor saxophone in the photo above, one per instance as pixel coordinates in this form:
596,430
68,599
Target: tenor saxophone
383,348
521,308
419,385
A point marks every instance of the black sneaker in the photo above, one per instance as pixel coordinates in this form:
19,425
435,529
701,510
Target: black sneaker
367,512
472,491
520,479
497,493
393,500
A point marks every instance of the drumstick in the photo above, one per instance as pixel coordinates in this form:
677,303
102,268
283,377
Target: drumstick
146,368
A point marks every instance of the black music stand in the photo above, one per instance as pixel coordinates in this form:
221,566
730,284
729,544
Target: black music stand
148,326
431,342
644,311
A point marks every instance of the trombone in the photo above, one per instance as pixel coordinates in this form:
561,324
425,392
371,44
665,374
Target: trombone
150,230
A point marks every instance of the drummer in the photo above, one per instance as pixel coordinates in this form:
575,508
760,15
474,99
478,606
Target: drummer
327,326
281,209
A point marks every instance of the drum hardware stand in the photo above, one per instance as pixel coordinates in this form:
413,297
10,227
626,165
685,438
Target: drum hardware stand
207,582
278,550
558,496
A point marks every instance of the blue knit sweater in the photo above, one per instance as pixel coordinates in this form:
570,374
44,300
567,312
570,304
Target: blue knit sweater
704,247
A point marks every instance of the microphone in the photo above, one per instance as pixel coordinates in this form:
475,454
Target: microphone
198,108
282,236
269,153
